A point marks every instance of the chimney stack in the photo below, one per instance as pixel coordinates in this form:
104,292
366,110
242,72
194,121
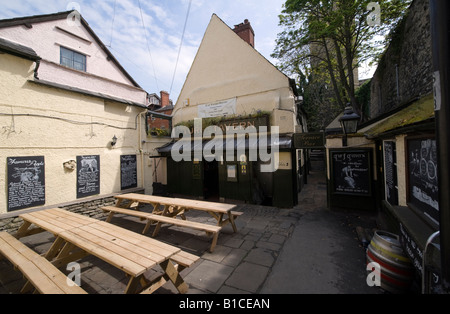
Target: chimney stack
245,31
164,99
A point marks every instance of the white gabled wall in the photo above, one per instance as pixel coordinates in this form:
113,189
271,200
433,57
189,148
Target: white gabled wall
228,67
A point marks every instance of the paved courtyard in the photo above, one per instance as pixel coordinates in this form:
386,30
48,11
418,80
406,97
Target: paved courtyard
307,249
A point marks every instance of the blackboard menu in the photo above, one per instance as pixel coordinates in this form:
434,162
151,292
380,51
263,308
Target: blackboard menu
415,254
88,175
422,177
128,172
390,172
351,172
26,182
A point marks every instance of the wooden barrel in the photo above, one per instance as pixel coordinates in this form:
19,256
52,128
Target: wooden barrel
397,271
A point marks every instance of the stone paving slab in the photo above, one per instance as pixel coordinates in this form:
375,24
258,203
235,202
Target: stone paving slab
248,276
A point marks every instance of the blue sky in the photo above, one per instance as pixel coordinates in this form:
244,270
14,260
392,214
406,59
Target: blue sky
153,68
119,25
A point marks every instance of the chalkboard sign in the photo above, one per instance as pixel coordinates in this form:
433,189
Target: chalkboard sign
422,177
88,175
128,172
26,182
351,172
390,172
415,254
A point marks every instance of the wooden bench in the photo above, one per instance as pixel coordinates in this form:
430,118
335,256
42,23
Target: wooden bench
152,218
40,273
236,214
184,260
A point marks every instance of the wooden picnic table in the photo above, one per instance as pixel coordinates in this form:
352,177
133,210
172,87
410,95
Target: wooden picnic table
78,236
173,207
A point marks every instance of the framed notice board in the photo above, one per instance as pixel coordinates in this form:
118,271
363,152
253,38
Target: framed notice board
351,172
422,176
390,172
88,175
26,182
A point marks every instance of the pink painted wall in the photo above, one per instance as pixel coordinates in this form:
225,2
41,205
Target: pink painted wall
101,75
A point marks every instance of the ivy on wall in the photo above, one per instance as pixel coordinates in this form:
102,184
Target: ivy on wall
362,95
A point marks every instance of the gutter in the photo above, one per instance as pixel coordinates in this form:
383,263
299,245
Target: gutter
87,93
21,51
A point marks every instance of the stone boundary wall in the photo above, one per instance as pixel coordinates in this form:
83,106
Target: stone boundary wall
405,71
89,207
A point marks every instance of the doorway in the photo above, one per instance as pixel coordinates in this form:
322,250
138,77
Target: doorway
211,181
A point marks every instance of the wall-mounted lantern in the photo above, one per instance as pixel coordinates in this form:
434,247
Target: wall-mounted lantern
114,141
349,123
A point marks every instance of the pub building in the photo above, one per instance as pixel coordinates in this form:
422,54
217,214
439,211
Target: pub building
232,87
389,165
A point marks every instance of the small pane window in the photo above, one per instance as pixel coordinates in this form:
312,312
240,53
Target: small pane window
73,59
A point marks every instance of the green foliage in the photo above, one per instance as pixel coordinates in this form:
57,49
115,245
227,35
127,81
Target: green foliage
206,122
158,132
324,42
363,96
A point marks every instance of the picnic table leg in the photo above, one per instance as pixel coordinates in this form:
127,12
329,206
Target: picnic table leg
110,216
147,225
25,230
127,206
216,217
156,209
62,253
214,242
119,202
26,287
231,218
175,211
222,222
55,248
157,228
182,213
166,210
174,276
132,285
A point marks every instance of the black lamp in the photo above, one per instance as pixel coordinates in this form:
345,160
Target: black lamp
349,123
114,141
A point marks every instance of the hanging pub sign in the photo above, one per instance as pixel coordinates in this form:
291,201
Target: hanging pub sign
422,177
26,182
128,172
88,175
351,172
309,140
